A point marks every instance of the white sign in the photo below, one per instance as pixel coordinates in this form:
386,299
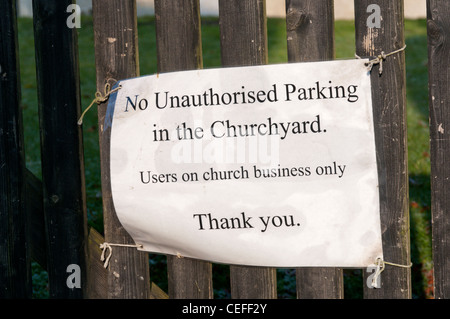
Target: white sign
265,165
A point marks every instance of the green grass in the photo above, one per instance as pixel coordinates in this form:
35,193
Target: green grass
418,137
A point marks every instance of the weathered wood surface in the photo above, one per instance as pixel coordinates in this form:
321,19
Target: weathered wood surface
310,30
61,145
243,32
310,37
15,273
116,55
389,105
178,36
98,279
438,27
36,219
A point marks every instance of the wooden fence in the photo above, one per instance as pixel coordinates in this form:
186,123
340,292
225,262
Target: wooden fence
45,220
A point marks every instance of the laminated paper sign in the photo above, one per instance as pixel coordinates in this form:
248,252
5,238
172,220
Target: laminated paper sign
265,165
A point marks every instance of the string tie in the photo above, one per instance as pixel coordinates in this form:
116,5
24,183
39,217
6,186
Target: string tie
381,264
380,58
99,98
108,247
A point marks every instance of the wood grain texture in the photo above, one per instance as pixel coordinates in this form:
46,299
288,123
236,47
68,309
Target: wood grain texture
243,35
389,107
116,57
178,39
253,282
15,273
178,35
36,219
97,274
438,27
61,145
310,37
310,30
243,32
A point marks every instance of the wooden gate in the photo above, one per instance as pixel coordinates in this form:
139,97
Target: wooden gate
45,220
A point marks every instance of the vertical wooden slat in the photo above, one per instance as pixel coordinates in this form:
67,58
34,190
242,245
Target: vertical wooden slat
310,37
61,145
438,27
178,40
36,219
243,32
243,35
178,35
116,54
189,279
310,30
389,104
15,274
